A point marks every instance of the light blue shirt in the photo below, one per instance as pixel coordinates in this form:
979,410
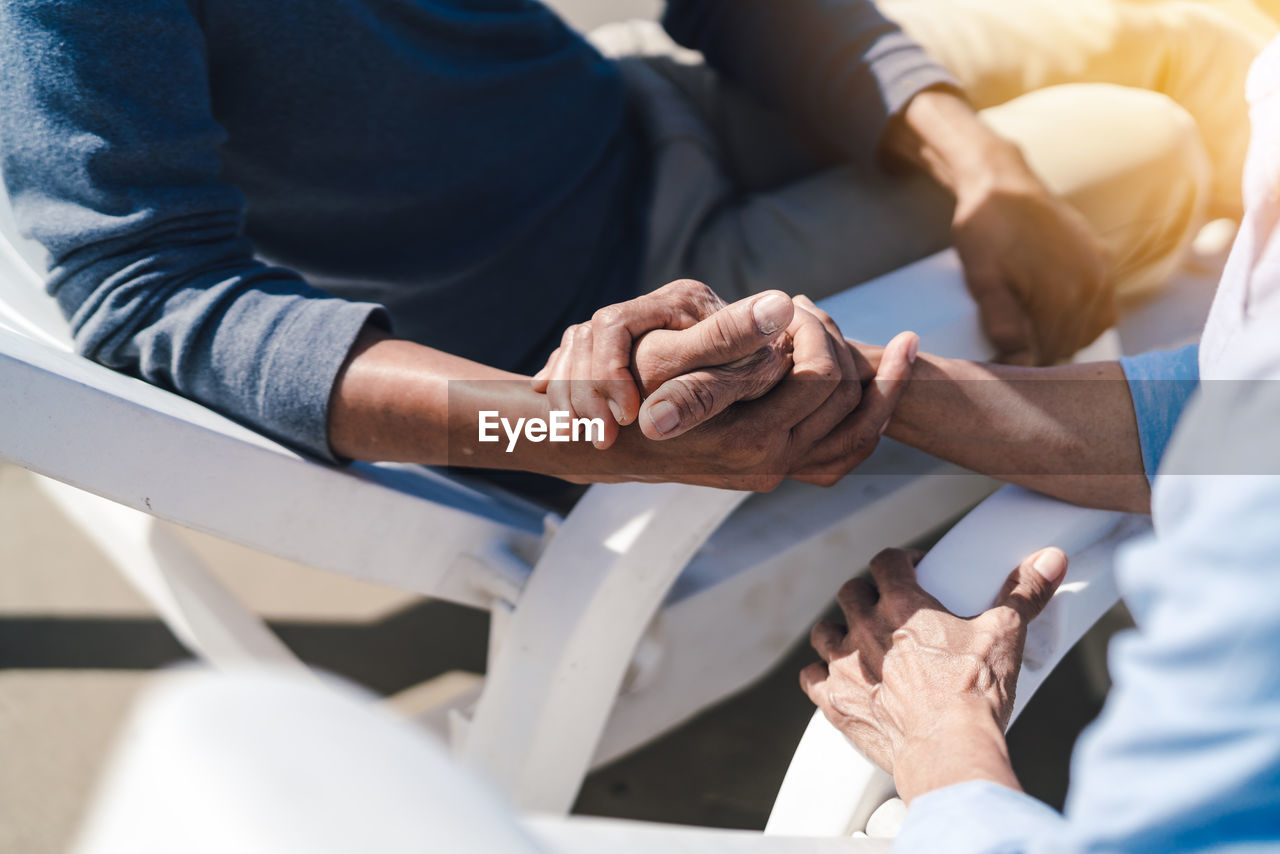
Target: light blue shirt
1160,382
1186,754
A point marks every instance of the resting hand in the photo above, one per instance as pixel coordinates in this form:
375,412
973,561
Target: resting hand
924,694
741,352
1032,263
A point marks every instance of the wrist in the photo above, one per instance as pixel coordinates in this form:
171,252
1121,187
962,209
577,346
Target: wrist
990,164
965,744
940,132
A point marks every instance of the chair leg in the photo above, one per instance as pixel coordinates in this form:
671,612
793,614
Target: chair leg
558,669
197,608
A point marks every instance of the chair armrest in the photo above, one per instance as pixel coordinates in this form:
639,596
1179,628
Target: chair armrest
146,448
831,788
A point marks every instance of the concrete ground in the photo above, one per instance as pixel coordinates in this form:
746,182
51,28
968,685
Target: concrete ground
77,644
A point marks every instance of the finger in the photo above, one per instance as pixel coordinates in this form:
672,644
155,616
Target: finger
617,328
823,317
1003,317
843,399
1029,588
584,396
827,639
561,375
682,403
894,574
813,681
734,332
857,599
866,634
857,436
814,375
539,380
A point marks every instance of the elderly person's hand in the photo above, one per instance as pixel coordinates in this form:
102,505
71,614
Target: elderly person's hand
738,396
814,425
1033,264
738,352
924,694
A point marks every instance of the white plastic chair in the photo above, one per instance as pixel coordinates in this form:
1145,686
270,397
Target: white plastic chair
643,606
262,763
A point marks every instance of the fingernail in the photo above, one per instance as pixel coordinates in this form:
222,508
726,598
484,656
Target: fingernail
1051,564
771,313
664,416
618,415
913,350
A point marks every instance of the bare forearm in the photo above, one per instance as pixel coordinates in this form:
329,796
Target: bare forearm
939,133
1067,431
400,401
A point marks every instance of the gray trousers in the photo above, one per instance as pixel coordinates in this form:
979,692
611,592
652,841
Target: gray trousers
745,203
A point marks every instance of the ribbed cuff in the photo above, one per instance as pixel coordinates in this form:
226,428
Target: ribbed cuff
306,354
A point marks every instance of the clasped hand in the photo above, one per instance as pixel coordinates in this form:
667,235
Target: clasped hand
738,396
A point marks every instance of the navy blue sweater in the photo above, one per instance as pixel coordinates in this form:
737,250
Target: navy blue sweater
230,189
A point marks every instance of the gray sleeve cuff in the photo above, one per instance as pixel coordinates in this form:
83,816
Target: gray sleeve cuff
302,365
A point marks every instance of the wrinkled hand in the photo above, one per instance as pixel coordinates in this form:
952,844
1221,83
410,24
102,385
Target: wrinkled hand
912,685
814,425
1032,263
739,352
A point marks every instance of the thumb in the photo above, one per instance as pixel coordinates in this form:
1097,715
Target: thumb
732,333
1030,587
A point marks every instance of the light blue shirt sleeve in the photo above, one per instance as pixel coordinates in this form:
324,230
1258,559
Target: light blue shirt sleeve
1186,754
978,816
1160,382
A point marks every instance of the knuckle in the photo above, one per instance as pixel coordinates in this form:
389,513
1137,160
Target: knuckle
695,294
757,449
851,591
719,335
766,482
609,317
859,444
885,557
1005,621
824,368
822,315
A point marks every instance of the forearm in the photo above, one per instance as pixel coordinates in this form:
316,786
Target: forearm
1067,431
939,133
400,401
842,69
